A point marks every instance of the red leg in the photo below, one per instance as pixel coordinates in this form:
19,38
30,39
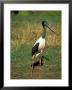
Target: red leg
40,69
33,59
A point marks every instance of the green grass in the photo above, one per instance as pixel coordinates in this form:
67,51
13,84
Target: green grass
21,61
25,29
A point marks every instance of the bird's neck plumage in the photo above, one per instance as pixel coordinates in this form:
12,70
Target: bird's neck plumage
44,32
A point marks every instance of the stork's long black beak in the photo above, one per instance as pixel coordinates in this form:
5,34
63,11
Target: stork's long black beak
50,28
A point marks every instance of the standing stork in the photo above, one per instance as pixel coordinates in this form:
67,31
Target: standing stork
39,46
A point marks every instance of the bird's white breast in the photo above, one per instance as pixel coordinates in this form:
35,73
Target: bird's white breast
41,42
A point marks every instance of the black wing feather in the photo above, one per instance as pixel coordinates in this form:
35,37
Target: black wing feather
35,48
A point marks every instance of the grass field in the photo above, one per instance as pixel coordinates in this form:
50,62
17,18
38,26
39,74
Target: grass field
25,29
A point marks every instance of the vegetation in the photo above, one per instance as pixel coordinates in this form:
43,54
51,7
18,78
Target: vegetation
25,29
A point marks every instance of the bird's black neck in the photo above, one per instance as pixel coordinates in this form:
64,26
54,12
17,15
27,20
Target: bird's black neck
44,32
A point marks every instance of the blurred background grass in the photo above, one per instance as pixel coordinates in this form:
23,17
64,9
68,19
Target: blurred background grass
25,29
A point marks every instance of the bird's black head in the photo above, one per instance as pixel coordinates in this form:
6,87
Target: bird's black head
45,24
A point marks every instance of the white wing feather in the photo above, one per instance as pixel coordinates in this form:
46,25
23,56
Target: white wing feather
41,42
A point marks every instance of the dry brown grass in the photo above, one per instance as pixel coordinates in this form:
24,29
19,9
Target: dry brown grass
30,33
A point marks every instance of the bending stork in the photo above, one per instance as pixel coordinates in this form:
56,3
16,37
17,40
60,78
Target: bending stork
39,46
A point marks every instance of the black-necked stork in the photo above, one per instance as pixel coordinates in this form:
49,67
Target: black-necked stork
39,46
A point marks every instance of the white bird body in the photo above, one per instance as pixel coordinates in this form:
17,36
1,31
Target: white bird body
41,42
